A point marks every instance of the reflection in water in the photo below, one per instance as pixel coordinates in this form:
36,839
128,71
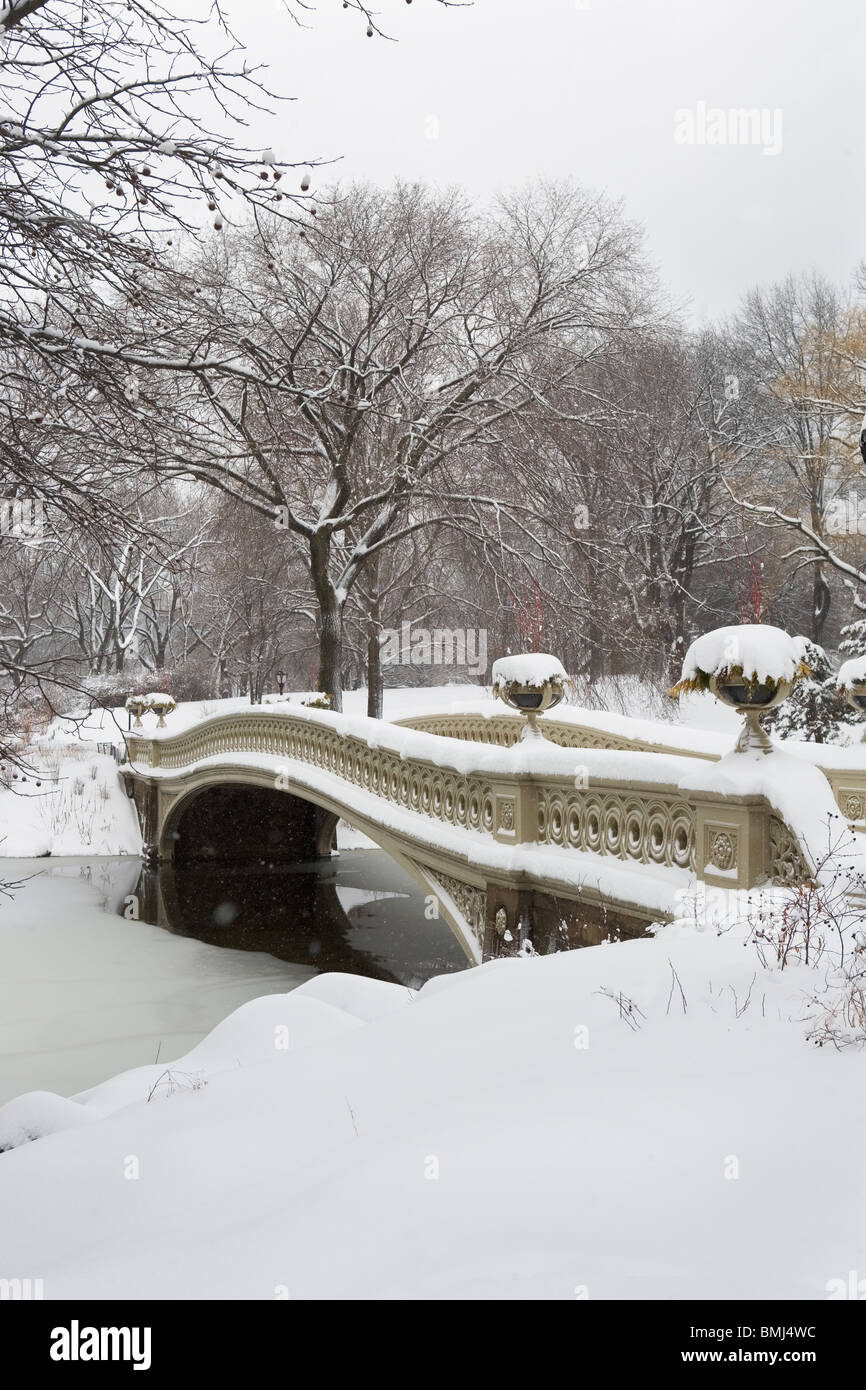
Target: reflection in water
357,912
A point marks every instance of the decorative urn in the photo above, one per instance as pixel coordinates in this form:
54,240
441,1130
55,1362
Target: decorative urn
135,707
751,699
750,668
851,680
161,705
531,683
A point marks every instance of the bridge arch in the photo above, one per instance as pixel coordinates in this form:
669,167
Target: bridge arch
307,817
236,819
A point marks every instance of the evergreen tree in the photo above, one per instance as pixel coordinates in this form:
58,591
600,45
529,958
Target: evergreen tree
815,710
853,639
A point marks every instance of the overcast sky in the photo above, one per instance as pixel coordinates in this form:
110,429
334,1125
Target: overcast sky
506,91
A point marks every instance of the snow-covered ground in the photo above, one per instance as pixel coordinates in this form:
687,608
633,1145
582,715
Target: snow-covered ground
65,799
641,1120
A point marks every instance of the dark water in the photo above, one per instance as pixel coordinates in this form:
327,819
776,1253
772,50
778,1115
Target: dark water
357,912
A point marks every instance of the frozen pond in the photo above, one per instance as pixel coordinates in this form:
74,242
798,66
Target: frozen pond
87,991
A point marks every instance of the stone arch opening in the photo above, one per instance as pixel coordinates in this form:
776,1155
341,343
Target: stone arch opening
237,819
232,823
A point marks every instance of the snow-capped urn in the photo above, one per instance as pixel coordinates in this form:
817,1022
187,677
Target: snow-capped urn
161,705
751,667
530,683
136,705
852,680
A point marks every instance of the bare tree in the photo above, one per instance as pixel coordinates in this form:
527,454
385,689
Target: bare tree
799,338
400,329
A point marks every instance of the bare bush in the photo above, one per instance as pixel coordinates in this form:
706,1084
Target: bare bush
821,924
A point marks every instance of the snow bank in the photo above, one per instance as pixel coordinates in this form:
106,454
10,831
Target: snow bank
355,995
39,1113
66,800
506,1136
259,1031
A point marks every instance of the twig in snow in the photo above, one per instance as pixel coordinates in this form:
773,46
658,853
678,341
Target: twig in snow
676,984
740,1009
630,1013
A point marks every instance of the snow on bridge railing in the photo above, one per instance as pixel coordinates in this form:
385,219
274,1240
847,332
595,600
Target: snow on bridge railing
668,810
844,766
484,722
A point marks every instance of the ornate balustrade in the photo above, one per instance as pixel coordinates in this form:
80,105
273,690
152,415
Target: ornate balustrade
848,783
732,841
504,730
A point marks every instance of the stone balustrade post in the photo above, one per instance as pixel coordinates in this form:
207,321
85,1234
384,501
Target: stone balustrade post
731,840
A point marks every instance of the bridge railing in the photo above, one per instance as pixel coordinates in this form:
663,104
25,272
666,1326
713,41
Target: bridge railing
631,809
843,767
504,730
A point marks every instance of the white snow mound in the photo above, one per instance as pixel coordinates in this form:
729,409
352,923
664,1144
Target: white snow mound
764,652
38,1113
851,672
532,668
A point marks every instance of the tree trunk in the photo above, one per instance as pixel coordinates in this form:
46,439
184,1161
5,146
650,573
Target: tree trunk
595,656
330,622
331,655
221,679
677,648
820,604
375,684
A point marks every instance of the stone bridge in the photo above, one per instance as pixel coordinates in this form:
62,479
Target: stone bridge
515,841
